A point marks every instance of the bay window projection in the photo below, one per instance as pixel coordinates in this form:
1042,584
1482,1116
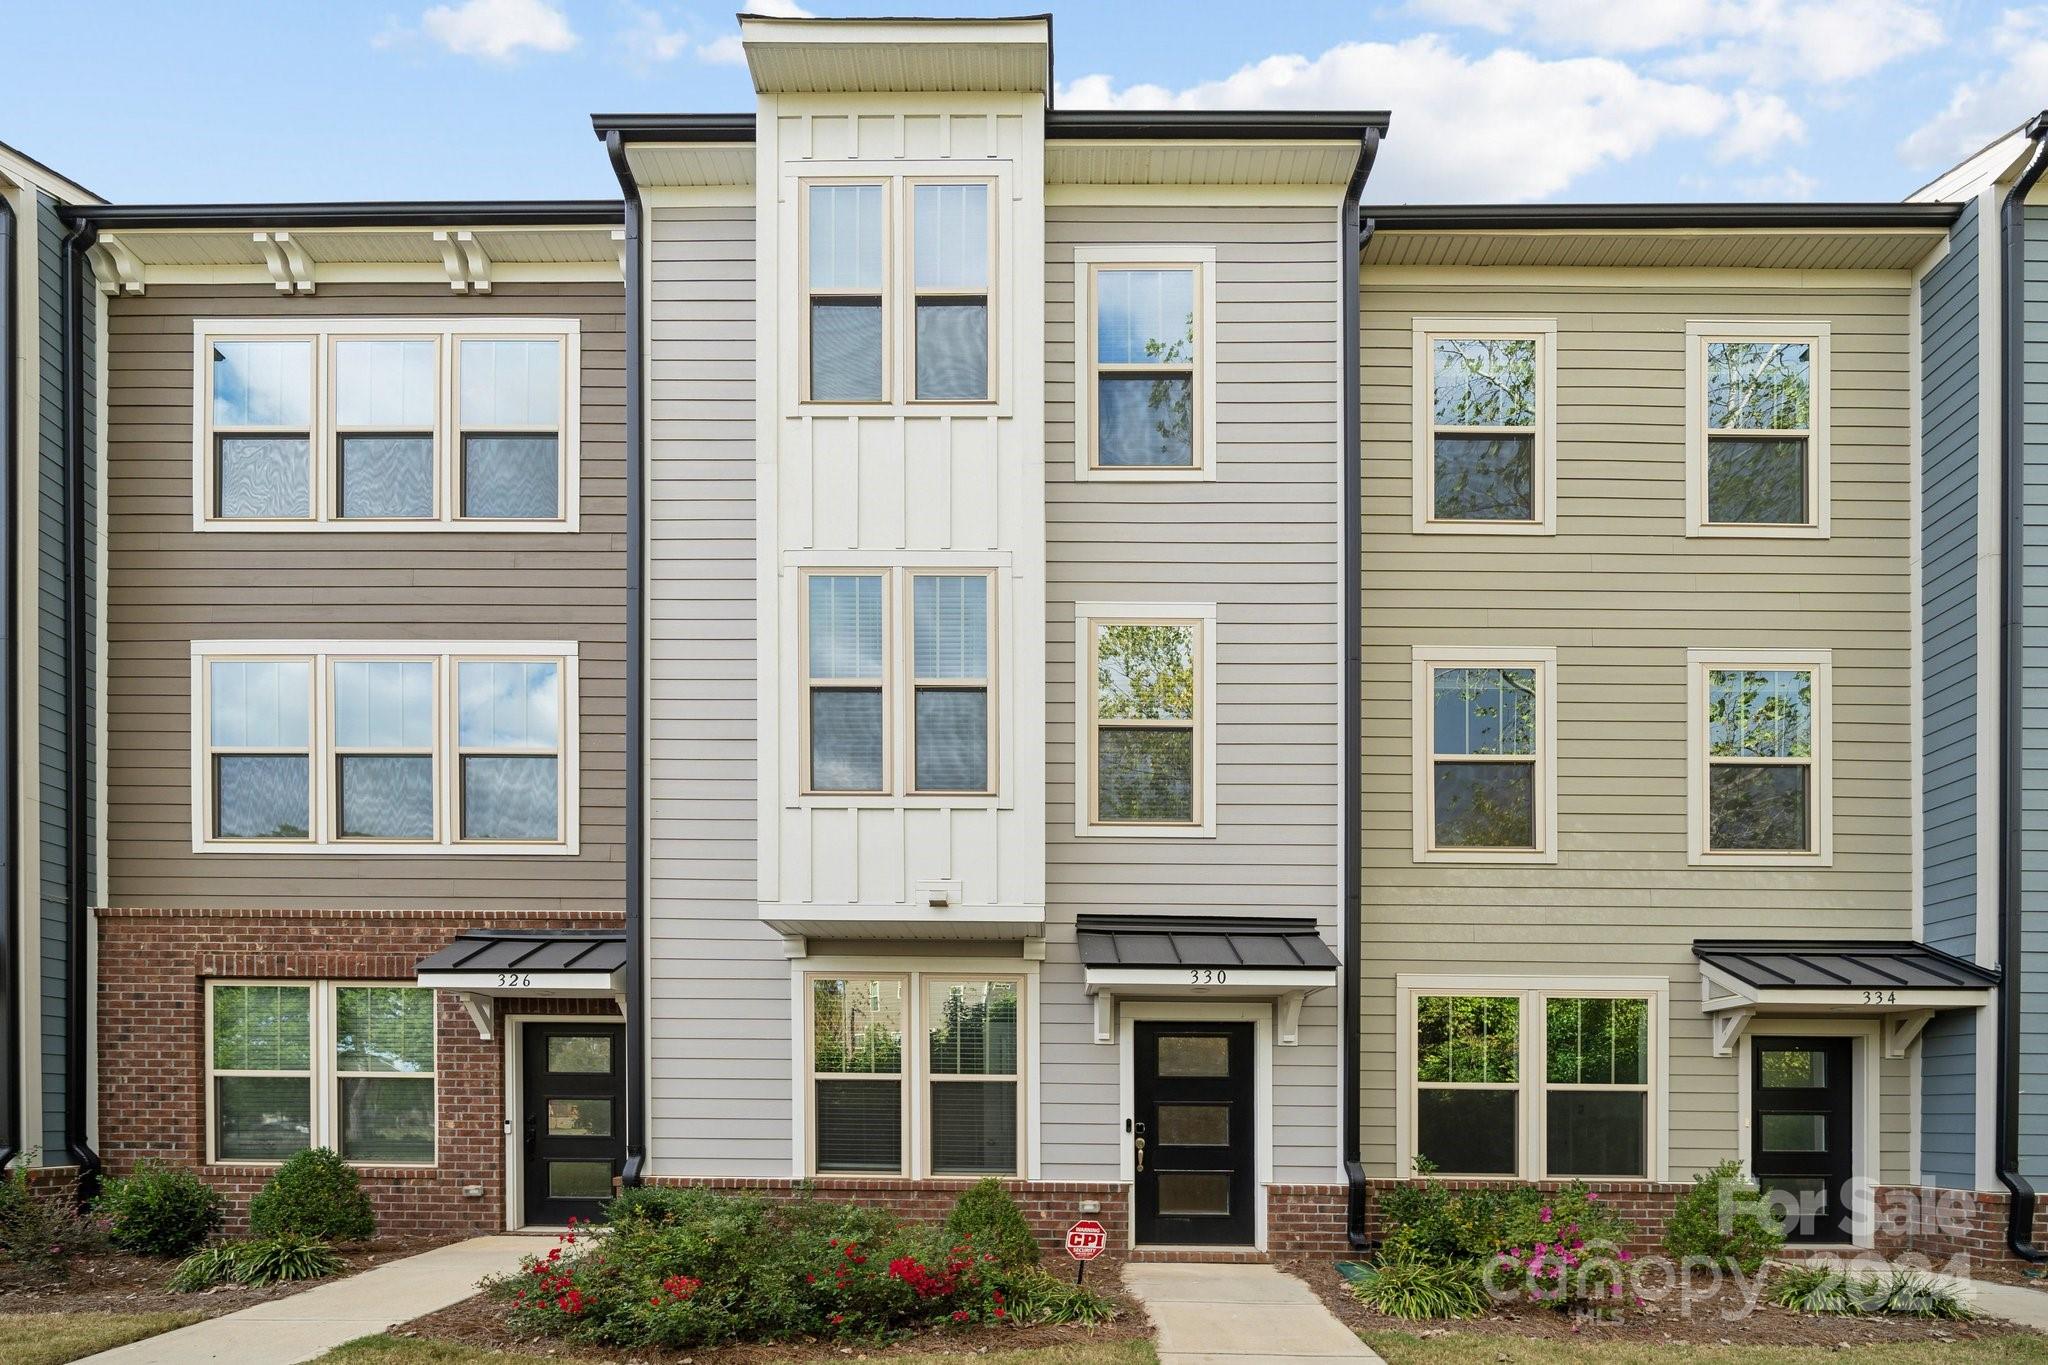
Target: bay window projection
1760,755
1145,359
1758,437
385,419
261,419
845,228
857,1081
1144,721
951,253
1484,457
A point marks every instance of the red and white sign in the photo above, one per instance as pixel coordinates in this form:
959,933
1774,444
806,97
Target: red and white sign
1086,1239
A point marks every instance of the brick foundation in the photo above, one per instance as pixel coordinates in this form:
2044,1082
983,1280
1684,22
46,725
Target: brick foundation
154,966
1306,1220
1647,1206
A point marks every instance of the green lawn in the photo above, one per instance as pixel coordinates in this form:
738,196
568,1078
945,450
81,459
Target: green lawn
384,1350
53,1338
1473,1348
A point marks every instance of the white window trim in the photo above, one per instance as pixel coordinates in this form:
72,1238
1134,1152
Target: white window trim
1533,991
917,974
447,777
1698,662
1426,660
1818,335
1202,259
912,292
1542,331
1203,616
324,1075
325,442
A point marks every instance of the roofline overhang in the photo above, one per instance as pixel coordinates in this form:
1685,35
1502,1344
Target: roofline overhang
1068,125
1659,217
1702,948
396,214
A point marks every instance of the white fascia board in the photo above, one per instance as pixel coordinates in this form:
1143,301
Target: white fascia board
533,985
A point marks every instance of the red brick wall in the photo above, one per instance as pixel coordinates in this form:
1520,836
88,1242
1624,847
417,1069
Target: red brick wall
1647,1206
1306,1220
154,966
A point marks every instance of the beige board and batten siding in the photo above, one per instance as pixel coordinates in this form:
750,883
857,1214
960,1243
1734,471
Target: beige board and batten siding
1622,594
1261,542
170,584
719,1049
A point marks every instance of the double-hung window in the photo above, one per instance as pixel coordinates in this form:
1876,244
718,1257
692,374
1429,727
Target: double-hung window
1146,722
951,248
1519,1081
1760,757
1485,779
384,746
1485,425
387,424
846,228
1757,429
852,664
950,1107
344,1065
1145,403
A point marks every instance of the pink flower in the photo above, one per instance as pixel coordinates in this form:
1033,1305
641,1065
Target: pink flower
1544,1216
1592,1198
1623,1255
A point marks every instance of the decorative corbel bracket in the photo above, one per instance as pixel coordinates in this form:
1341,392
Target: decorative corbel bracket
1287,1018
1105,1017
464,258
1729,1026
114,267
289,269
478,1006
619,239
1901,1029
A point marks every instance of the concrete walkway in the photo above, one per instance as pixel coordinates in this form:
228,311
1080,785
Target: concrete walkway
1238,1315
306,1325
2013,1302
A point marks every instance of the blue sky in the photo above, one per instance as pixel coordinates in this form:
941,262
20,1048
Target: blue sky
1493,100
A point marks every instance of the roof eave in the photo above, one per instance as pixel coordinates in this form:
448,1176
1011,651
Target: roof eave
1884,216
421,213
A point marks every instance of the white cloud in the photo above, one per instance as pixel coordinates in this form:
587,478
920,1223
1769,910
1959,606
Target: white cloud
777,9
727,51
1983,109
1504,126
1790,183
648,41
498,30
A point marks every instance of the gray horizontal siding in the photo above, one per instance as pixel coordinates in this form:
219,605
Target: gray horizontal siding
2033,711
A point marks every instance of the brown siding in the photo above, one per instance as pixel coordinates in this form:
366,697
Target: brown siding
170,585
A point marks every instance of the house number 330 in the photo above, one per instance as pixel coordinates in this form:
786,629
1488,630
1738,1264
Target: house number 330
1207,976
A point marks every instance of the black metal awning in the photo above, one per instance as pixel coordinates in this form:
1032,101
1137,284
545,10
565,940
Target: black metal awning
526,959
1900,982
1187,941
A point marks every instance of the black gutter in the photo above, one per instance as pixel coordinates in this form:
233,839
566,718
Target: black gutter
1479,217
2019,1230
636,679
674,127
1351,687
77,279
1073,125
10,900
425,213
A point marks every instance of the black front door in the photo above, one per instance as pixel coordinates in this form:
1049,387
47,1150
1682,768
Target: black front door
1803,1132
1192,1134
574,1120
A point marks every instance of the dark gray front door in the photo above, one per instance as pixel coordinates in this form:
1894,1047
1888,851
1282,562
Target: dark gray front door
1193,1134
574,1120
1803,1132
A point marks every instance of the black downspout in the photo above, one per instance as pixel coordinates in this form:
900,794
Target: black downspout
10,901
77,1071
2019,1231
1351,692
636,682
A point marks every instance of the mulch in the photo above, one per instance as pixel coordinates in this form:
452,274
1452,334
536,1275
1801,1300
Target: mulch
477,1322
1704,1315
115,1282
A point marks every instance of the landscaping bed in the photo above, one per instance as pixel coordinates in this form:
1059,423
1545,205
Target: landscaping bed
118,1282
395,1350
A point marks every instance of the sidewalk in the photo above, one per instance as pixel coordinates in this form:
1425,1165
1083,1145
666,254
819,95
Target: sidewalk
1238,1315
306,1325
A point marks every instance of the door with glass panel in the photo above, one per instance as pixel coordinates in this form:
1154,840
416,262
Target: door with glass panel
1803,1137
1191,1134
575,1089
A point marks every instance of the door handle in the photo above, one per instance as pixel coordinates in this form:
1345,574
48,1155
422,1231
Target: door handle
1141,1156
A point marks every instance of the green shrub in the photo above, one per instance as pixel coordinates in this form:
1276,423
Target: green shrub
695,1268
1832,1291
1742,1238
1403,1282
42,1231
160,1210
986,1217
314,1195
264,1261
1910,1293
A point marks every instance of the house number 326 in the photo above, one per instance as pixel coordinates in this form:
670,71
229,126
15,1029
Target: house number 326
1207,976
514,979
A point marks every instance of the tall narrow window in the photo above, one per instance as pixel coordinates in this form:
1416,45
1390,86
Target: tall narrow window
1146,358
857,1026
1596,1087
843,670
972,1034
950,661
261,1063
845,226
1761,752
1483,787
1759,426
384,421
1468,1083
510,415
1145,722
259,747
384,1070
950,289
262,423
509,739
384,748
1483,430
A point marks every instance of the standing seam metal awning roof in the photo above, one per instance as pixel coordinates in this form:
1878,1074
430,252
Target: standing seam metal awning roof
1288,945
1809,965
538,951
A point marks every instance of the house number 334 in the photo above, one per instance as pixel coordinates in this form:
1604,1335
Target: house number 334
1207,976
1880,997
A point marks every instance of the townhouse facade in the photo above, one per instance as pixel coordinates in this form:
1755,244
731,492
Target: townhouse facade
942,636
